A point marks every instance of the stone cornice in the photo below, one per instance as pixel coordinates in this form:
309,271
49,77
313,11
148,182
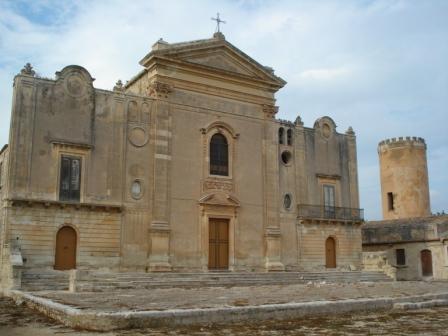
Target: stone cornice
207,71
62,204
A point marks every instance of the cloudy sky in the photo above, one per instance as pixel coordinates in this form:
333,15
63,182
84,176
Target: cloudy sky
378,66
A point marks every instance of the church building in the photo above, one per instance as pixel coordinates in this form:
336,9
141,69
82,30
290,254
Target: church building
184,168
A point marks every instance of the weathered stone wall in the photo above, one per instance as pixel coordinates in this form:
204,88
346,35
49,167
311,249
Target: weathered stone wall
111,133
412,270
404,173
311,240
33,229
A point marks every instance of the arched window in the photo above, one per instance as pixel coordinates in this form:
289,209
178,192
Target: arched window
289,137
219,155
281,135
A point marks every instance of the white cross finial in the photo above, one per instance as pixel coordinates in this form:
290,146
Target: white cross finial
218,22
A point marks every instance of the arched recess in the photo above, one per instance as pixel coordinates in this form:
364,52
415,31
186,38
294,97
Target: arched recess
65,252
426,261
330,253
289,137
281,136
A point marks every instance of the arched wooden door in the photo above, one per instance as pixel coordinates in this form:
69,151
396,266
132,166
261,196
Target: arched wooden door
65,257
330,253
426,259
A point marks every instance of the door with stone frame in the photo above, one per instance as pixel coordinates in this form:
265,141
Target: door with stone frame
218,252
426,260
65,254
330,253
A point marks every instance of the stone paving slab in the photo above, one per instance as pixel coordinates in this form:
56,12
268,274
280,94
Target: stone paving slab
180,298
105,312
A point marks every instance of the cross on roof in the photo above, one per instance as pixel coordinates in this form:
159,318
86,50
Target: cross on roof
218,22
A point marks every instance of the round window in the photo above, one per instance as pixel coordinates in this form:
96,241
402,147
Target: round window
286,157
287,201
136,189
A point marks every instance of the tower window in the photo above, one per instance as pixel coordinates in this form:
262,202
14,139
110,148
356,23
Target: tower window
289,137
390,201
401,256
219,155
70,179
281,135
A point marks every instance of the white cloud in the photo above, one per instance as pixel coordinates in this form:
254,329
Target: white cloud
324,74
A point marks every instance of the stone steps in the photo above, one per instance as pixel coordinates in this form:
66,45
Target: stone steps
102,282
35,280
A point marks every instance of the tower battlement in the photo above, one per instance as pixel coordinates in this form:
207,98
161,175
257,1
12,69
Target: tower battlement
401,142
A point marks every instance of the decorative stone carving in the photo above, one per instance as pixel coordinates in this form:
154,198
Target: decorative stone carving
298,121
138,136
210,184
326,131
270,111
75,86
159,89
119,86
325,126
28,70
350,131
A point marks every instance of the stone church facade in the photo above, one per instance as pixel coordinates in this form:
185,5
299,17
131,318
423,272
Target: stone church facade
183,168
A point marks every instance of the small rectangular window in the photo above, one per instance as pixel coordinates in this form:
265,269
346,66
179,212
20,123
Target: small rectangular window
1,172
390,201
70,179
329,201
401,256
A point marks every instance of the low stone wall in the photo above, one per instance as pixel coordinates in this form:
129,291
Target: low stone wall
106,321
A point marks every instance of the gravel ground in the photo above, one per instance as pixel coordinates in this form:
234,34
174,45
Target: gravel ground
21,321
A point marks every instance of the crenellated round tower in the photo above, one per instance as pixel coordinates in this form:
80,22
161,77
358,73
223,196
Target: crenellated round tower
404,178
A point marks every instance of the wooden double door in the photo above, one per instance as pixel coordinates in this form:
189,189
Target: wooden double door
218,250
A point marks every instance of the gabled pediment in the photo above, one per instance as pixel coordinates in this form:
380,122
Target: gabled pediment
215,54
220,60
219,199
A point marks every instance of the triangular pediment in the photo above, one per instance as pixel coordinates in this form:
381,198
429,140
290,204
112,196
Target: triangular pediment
219,199
220,60
216,55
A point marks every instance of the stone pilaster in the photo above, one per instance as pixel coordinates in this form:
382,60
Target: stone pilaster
273,249
352,168
271,195
160,226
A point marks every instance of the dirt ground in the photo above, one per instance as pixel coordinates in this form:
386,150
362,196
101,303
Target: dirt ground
21,321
